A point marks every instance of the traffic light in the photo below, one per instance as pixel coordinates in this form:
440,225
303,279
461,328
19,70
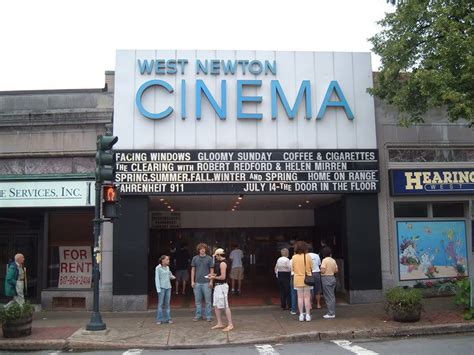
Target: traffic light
105,162
110,203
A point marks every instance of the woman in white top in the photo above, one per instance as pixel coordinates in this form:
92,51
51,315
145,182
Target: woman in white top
317,278
283,274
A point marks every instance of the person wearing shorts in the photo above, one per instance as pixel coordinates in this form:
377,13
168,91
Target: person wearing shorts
302,266
237,270
221,291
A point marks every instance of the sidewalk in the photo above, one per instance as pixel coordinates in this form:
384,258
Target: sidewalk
65,330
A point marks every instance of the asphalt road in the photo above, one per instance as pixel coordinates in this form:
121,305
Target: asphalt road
443,345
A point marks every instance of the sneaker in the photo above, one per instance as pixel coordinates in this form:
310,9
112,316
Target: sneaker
158,322
196,319
301,317
293,313
329,316
170,322
308,317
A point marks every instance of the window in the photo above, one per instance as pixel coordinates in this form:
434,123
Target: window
448,209
411,209
67,229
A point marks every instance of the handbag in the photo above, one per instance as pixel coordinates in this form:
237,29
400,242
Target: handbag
308,280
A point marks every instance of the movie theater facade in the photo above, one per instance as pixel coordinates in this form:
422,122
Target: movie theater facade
249,148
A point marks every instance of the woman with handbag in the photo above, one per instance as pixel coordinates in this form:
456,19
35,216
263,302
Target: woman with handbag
302,265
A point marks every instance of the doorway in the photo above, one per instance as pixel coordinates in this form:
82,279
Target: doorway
261,248
26,244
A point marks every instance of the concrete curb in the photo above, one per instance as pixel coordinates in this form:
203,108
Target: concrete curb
31,345
79,345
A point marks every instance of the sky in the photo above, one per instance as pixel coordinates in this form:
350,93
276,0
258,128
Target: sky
69,44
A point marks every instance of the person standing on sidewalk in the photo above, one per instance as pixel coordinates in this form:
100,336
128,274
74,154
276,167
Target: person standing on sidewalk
221,292
201,266
163,277
237,270
316,294
182,268
15,281
328,280
302,266
283,274
293,294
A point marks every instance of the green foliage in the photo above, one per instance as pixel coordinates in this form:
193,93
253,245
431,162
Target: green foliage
426,48
446,287
469,314
15,311
403,300
463,293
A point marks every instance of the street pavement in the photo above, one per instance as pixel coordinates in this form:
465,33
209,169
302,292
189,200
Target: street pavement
253,325
459,344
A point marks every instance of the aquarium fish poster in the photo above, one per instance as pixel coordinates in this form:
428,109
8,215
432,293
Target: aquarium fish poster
432,249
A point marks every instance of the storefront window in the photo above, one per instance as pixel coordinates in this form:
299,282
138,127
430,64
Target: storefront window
411,209
448,209
431,155
67,230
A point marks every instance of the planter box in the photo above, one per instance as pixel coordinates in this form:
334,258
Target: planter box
407,316
17,328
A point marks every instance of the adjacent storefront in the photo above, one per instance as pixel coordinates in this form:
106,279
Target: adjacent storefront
50,222
432,232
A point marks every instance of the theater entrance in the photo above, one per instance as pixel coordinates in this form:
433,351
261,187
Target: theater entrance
259,225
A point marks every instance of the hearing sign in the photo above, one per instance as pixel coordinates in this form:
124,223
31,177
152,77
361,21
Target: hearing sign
75,267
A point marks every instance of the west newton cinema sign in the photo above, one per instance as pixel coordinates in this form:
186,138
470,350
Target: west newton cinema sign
244,67
225,122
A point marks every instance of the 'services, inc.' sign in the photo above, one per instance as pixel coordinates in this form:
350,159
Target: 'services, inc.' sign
432,181
75,267
247,171
46,194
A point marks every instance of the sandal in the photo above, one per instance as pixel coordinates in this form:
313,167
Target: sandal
217,326
228,328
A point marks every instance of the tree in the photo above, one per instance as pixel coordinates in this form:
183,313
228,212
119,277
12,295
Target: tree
426,49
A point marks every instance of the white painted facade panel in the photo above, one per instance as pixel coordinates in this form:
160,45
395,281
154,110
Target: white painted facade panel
327,127
352,71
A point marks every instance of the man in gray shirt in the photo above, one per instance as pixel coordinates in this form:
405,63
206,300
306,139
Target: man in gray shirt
201,266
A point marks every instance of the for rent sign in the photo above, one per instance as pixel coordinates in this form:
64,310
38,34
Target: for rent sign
75,267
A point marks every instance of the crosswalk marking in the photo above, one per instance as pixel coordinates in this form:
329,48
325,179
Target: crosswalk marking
356,349
133,352
266,349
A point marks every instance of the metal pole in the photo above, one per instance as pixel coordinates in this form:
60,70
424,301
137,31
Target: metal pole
96,322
